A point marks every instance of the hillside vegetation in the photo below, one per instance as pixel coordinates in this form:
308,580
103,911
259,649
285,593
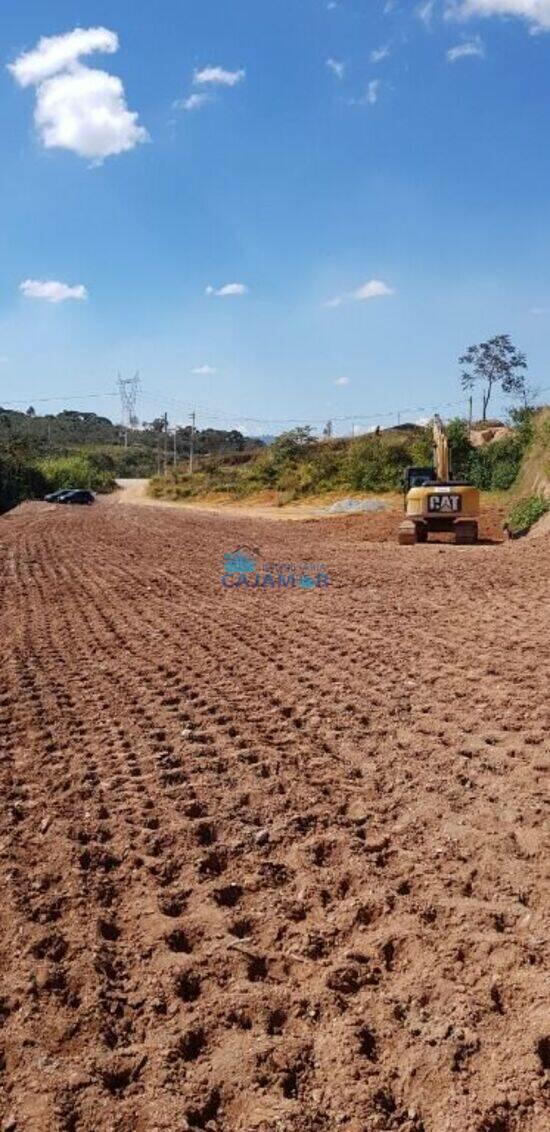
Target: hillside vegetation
534,477
78,449
297,465
531,491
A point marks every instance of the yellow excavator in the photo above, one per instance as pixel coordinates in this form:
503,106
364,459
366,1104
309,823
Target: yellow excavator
434,502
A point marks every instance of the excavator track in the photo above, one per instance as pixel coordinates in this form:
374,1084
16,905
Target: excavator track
407,535
465,532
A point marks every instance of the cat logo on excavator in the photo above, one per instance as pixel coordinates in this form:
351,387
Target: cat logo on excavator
434,502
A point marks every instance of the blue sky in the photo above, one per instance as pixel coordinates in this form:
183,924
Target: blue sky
371,178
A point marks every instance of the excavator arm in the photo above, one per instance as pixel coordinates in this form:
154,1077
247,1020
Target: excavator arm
441,450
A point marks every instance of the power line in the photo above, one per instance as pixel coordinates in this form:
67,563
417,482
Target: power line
213,414
67,397
220,415
192,442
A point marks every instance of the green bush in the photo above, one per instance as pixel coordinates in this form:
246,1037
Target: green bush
527,511
460,448
496,466
75,471
19,480
262,473
375,463
422,448
503,475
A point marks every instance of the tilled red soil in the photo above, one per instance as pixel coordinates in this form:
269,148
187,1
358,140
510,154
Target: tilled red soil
270,861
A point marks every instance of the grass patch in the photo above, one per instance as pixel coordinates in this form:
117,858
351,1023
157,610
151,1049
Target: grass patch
526,512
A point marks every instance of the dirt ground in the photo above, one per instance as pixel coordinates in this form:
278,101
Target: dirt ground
381,526
271,860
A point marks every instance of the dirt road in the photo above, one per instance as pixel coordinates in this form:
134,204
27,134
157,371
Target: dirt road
137,491
270,859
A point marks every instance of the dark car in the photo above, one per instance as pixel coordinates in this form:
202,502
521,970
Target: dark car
56,496
77,496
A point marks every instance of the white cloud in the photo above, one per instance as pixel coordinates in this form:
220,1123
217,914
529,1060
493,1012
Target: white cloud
51,290
373,91
536,13
194,102
209,77
204,371
78,108
472,48
342,381
373,289
60,52
337,67
217,76
370,98
425,12
379,54
228,290
85,111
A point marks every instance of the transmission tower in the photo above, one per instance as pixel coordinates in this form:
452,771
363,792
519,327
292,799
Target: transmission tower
129,389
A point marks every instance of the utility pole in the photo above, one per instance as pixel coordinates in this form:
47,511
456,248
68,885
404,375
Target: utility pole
470,417
192,443
175,446
165,442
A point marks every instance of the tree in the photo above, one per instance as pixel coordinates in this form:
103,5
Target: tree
495,362
290,445
327,431
158,425
31,411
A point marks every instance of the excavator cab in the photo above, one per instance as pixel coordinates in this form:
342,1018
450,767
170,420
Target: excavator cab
417,477
436,503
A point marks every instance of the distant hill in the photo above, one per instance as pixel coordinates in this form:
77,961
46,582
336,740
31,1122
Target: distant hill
51,432
71,431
